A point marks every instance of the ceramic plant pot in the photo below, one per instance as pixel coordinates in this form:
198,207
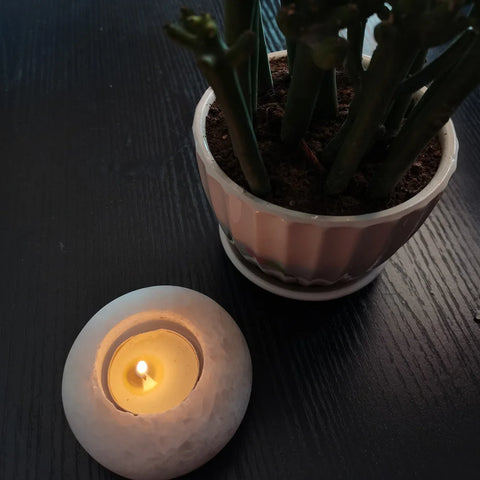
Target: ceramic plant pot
305,256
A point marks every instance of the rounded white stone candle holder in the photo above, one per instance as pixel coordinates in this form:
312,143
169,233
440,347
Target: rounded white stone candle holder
158,446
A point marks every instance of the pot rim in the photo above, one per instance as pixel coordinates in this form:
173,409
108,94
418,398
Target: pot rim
437,184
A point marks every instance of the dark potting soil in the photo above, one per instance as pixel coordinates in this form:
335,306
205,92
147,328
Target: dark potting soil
297,177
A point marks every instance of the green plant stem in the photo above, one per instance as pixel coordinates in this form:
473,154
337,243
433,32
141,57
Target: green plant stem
428,116
291,44
438,66
402,102
354,60
327,102
264,73
217,62
291,50
389,65
239,16
302,95
225,84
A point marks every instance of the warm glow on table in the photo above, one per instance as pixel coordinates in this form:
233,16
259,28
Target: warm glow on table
152,372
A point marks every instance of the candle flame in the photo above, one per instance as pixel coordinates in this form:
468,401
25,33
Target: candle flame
142,368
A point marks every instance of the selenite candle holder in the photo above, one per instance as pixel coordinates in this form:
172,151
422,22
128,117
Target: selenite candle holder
174,440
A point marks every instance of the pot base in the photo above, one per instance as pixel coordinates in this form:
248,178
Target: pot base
291,290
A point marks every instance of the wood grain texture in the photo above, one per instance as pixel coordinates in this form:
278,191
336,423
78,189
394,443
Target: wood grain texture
100,195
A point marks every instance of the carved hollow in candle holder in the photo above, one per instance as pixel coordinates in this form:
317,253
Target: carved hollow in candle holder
157,383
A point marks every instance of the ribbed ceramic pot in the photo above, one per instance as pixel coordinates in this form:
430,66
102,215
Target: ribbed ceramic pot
330,252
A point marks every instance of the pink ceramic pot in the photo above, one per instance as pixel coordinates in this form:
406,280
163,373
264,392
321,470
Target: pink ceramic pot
307,256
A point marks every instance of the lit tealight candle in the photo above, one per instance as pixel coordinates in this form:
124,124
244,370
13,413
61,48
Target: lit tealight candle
157,382
153,371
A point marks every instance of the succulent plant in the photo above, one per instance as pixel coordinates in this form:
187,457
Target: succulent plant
322,35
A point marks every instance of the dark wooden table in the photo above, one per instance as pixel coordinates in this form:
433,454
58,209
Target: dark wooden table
100,195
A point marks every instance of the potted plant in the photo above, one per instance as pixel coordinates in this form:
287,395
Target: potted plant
321,255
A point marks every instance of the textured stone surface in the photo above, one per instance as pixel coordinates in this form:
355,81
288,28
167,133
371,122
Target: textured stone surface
172,443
